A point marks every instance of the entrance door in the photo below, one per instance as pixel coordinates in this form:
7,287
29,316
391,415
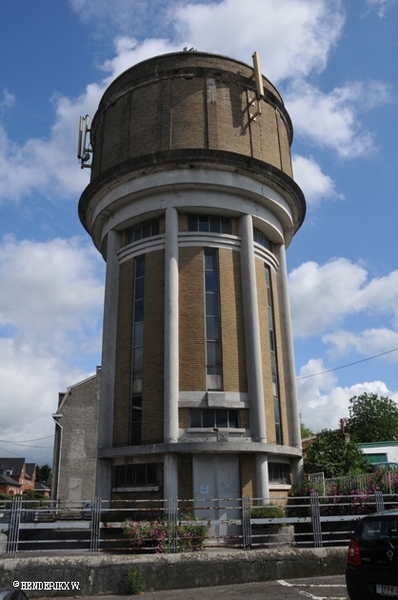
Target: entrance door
216,490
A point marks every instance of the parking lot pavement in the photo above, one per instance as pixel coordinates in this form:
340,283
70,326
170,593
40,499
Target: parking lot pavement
314,588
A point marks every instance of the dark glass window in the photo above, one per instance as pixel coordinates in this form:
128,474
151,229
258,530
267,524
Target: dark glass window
215,418
279,473
142,230
209,223
136,475
213,325
137,351
261,238
274,368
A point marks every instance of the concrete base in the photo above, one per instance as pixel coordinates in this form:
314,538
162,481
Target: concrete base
102,574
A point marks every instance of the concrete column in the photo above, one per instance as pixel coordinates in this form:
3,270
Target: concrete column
106,405
262,478
293,412
170,476
171,356
252,331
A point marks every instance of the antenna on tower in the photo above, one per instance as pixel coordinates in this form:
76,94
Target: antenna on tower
83,149
258,78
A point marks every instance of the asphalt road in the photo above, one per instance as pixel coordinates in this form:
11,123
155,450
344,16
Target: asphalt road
314,588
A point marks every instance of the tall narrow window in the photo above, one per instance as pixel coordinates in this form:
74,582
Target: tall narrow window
213,325
137,352
274,368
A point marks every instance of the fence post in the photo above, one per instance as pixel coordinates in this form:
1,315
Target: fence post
246,524
95,524
379,501
316,520
172,511
13,530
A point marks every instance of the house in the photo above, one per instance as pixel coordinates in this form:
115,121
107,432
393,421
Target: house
381,452
8,485
75,441
20,472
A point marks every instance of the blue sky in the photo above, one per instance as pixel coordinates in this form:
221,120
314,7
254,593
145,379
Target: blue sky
335,63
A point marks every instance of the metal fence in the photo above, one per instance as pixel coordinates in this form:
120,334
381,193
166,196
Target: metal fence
176,525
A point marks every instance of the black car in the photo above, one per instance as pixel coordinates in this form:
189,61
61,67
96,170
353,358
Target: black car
372,558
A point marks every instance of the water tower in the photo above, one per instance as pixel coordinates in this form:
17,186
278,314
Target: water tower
192,205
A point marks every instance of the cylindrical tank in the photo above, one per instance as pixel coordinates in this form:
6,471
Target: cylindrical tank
192,204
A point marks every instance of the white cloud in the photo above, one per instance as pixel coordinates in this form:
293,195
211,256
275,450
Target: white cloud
51,298
31,380
294,37
381,6
8,100
323,295
331,120
316,185
51,294
369,342
129,52
323,403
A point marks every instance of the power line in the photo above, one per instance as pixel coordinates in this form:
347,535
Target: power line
347,365
26,441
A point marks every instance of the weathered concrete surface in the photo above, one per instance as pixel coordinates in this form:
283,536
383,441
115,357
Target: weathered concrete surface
105,573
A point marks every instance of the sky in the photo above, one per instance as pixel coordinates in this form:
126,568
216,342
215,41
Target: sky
335,63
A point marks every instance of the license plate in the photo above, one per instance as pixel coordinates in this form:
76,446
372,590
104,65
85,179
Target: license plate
387,590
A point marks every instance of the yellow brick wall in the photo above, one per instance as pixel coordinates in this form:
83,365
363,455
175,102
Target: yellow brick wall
183,418
247,468
233,343
123,355
192,320
153,368
185,478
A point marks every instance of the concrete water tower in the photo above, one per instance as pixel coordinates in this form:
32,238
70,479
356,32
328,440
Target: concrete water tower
192,205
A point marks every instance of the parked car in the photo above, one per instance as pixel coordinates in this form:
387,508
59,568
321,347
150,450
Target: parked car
12,595
372,558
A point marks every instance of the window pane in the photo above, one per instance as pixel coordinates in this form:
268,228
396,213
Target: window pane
225,225
211,259
137,358
136,401
208,418
138,334
155,227
137,383
137,233
151,474
213,353
140,477
212,305
211,281
129,475
192,223
203,223
215,224
221,417
196,417
139,266
139,310
213,328
146,229
233,418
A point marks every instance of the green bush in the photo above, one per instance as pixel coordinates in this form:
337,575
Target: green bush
268,511
135,581
154,536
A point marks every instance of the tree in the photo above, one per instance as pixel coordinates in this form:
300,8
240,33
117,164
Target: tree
304,430
333,455
43,473
372,418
